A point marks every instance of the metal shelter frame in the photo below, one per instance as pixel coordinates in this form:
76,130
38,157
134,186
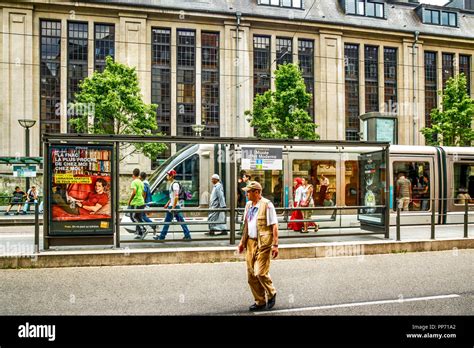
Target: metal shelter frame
115,140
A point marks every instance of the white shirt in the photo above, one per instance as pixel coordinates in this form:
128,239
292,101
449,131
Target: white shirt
299,194
272,218
174,192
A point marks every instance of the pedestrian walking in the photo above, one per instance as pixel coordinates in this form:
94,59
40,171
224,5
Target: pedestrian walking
175,202
148,200
217,201
260,239
137,201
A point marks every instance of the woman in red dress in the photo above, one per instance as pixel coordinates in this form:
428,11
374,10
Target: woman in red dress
298,190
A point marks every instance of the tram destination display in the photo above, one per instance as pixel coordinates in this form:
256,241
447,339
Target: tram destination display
80,190
268,158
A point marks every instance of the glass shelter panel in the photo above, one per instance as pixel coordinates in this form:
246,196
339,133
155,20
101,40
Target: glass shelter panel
411,186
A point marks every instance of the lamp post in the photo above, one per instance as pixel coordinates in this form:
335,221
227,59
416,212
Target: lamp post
27,124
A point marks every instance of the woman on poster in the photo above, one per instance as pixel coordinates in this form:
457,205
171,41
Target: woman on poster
95,200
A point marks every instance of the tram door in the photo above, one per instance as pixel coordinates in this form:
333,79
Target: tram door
372,178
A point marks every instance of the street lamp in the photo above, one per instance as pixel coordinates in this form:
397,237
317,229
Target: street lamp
198,128
27,124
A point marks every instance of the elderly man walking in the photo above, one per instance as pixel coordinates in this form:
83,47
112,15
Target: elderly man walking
260,238
217,200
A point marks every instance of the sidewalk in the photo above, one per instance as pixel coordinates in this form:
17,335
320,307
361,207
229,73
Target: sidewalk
17,248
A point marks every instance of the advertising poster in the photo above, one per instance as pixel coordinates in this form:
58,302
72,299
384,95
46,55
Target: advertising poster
81,190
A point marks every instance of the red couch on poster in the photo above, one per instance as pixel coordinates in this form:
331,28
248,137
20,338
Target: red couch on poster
85,198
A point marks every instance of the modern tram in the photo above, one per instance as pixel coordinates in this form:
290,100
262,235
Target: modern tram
442,174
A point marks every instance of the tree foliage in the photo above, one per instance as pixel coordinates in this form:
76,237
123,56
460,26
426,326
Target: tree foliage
113,104
452,124
281,114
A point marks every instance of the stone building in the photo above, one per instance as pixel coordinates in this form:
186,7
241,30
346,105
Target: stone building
203,61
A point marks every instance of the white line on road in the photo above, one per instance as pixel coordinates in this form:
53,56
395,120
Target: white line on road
358,304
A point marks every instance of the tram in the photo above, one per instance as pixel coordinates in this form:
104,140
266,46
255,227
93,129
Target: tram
441,178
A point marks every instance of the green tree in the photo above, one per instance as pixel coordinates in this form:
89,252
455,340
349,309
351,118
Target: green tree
281,114
452,124
111,103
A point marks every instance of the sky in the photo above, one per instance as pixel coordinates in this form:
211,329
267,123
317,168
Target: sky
434,2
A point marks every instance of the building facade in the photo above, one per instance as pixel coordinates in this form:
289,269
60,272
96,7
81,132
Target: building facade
203,61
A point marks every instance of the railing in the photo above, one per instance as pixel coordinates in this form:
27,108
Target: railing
433,213
283,218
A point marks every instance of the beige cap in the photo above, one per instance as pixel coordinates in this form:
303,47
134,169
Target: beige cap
253,185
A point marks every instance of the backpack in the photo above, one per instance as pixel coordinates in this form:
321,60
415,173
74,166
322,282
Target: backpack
147,191
184,194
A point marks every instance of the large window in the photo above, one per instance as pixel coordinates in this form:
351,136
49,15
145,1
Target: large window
365,8
284,50
282,3
463,183
371,78
261,64
431,96
186,82
77,49
448,67
465,68
104,44
322,175
161,77
390,76
50,77
306,62
351,68
210,83
411,186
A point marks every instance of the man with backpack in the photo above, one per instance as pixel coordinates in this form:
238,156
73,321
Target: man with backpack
177,197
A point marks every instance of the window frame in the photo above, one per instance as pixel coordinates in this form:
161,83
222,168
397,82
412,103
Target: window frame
362,11
281,4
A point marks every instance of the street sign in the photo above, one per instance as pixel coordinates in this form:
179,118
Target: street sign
262,158
24,171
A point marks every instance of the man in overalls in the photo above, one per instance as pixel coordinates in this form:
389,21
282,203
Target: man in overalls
260,238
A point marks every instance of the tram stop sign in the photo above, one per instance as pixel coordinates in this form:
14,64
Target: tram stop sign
380,126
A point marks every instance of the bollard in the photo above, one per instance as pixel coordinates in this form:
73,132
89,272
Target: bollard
398,223
466,218
36,227
433,218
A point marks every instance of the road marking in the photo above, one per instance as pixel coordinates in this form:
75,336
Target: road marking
358,304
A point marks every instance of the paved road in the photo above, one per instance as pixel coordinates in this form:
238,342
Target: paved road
435,283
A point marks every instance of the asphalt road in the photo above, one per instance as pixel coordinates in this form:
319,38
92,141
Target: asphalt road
435,283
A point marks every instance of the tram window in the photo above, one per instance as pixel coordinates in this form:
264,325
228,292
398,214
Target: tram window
411,186
463,183
271,181
187,173
320,174
352,188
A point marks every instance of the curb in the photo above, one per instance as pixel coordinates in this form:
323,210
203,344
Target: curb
127,257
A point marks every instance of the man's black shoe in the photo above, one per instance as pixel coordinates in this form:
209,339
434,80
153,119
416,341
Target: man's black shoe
271,302
255,307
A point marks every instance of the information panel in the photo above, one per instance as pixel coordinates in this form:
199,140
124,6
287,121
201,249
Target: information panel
262,158
81,190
